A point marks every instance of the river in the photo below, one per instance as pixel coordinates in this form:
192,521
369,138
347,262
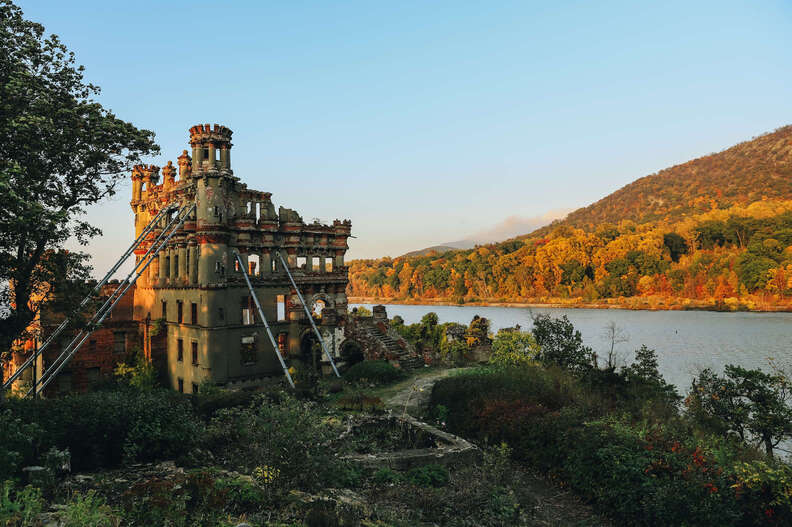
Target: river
685,341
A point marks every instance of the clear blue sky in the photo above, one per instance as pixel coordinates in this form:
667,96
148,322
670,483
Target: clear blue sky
424,122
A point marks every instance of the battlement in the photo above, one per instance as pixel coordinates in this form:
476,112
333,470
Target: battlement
203,133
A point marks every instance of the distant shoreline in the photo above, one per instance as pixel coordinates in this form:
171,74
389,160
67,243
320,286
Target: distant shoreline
691,306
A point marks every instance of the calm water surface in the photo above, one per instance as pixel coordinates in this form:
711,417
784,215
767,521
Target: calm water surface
685,341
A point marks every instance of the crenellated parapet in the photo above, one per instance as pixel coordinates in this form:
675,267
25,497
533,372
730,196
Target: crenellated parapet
211,147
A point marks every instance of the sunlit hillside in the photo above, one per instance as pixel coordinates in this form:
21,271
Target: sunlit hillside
715,232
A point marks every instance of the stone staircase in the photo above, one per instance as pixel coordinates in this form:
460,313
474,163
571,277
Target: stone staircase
392,349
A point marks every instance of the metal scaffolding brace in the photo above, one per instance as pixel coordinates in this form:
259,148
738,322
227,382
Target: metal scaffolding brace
106,308
308,313
263,318
63,325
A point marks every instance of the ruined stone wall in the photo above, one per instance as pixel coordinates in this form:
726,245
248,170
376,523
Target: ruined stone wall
199,267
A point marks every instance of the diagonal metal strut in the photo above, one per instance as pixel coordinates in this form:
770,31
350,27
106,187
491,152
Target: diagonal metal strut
63,325
263,318
110,303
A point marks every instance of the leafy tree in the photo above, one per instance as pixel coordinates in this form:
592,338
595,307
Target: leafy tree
429,333
561,344
753,270
60,151
752,404
477,333
644,372
513,348
137,372
676,245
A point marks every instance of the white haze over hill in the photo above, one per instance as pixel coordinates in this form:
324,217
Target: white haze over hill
509,228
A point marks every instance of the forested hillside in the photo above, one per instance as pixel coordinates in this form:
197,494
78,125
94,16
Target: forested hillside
750,171
715,232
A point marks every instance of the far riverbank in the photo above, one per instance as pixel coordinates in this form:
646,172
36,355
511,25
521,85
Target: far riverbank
686,341
633,304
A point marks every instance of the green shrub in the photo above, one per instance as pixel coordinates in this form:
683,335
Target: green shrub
242,493
361,402
107,428
376,371
385,476
428,476
284,435
637,472
18,507
208,402
17,443
88,510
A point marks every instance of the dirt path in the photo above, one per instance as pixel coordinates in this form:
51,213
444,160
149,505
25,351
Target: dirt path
415,393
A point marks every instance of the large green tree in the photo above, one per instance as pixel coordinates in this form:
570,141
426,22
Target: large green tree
60,152
754,405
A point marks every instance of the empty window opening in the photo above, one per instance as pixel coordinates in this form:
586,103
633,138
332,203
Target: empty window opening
280,303
167,267
247,311
253,264
181,385
194,388
301,261
193,313
247,351
179,311
219,268
194,346
119,342
164,310
187,260
180,350
221,314
205,153
176,265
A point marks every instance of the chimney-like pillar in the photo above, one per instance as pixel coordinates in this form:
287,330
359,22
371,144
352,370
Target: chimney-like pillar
182,262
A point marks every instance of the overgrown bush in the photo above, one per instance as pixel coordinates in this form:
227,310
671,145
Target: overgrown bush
89,510
637,471
284,434
107,428
19,506
375,371
17,443
209,402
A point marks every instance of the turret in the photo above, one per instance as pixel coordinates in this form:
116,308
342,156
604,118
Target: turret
149,175
211,147
185,166
168,176
137,182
